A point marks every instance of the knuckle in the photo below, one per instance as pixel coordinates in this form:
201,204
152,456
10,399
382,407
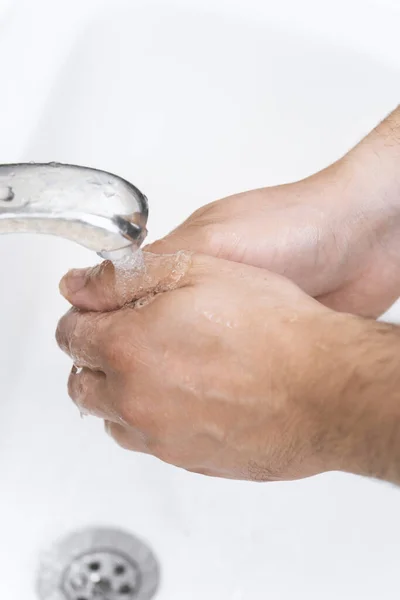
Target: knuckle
61,333
80,393
66,328
60,336
96,275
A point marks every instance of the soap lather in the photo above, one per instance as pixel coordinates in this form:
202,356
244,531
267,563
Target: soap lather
96,209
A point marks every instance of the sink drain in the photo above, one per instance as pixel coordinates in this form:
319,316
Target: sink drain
104,573
98,564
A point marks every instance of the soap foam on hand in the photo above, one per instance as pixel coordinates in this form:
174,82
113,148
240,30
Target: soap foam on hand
129,265
136,271
129,277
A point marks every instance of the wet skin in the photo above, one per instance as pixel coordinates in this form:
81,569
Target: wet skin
210,361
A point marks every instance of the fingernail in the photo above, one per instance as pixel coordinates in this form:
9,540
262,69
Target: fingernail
73,281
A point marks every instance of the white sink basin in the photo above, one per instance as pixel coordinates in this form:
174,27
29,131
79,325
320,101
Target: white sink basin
190,101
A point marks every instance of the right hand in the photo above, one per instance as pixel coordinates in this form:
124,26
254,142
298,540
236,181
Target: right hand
231,371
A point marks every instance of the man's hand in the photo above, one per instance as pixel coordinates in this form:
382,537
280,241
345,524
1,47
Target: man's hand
232,371
336,234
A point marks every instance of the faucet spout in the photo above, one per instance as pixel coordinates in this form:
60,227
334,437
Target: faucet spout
96,209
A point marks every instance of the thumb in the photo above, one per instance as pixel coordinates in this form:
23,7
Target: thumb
108,287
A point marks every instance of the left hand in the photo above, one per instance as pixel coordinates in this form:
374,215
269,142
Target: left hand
216,367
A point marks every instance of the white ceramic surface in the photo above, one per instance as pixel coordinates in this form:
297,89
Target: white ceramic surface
191,101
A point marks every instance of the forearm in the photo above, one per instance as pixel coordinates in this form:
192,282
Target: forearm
373,175
378,155
365,430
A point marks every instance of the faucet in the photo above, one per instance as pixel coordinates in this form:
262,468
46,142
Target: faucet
94,208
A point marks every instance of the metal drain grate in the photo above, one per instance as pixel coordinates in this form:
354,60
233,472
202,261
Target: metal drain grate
98,564
104,573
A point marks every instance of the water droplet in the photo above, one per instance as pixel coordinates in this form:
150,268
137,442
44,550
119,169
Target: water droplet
6,194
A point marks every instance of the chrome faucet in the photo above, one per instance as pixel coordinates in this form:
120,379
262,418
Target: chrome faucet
93,208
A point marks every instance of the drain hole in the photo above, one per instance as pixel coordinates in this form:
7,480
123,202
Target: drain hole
125,589
104,585
119,570
94,566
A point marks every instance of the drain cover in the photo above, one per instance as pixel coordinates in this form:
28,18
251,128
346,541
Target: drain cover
98,564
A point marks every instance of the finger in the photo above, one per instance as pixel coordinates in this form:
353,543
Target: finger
90,338
127,437
88,389
107,287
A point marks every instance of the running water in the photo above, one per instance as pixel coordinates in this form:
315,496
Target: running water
128,259
129,265
140,276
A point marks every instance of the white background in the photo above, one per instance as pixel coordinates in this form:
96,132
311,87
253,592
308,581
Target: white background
191,101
